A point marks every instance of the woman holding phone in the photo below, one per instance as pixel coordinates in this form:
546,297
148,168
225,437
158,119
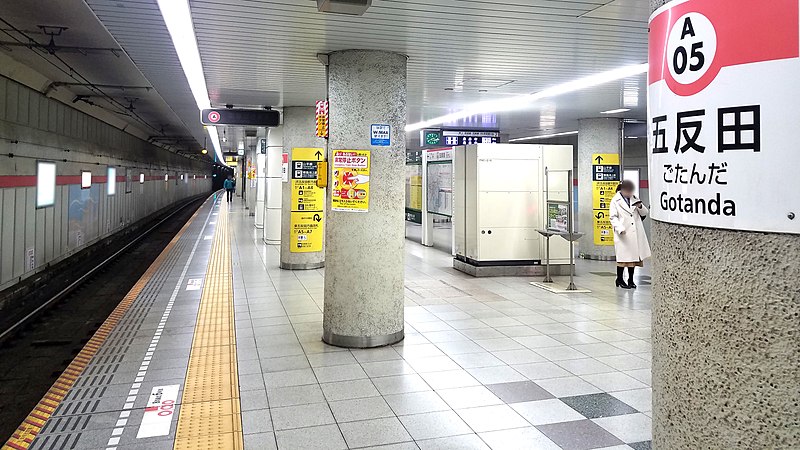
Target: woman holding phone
630,241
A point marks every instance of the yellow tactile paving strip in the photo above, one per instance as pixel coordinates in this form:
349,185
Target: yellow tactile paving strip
210,413
22,438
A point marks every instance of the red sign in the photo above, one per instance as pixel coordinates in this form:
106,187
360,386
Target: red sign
213,116
691,42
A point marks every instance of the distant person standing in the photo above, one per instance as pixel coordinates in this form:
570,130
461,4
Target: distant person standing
630,241
230,187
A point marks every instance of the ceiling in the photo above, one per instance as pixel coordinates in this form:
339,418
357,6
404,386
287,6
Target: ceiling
89,64
264,53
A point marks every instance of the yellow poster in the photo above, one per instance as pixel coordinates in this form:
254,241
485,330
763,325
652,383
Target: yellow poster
350,180
307,209
307,231
605,179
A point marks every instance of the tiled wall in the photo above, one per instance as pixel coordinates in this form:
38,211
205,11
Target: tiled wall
36,128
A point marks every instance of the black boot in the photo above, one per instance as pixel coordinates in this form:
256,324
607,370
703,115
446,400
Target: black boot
620,282
631,284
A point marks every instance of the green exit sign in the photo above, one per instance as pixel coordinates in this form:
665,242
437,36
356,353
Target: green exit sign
431,137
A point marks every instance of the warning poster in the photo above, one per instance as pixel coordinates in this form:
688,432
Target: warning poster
307,216
350,180
605,178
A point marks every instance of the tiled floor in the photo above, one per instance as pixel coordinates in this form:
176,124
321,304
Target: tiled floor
486,363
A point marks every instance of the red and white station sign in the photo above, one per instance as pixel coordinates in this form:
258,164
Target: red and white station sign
724,114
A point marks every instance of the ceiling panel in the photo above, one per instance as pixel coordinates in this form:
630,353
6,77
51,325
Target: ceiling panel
263,52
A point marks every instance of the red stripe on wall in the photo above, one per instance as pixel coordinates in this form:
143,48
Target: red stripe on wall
9,181
644,184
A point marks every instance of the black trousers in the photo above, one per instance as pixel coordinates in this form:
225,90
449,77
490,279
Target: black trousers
230,194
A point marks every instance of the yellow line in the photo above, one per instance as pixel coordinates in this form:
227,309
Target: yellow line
210,412
24,435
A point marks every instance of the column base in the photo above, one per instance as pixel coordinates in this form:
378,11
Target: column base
362,341
302,266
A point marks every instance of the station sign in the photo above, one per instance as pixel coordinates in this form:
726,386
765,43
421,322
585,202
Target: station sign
241,117
722,114
455,138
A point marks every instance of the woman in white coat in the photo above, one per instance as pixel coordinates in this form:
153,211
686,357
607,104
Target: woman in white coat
630,241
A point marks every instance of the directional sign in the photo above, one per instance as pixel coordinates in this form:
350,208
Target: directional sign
242,117
605,179
308,199
723,115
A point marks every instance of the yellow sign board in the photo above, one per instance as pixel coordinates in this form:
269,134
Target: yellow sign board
308,201
306,196
350,180
605,179
307,231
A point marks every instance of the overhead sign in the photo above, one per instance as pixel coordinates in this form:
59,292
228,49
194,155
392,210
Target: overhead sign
723,115
453,138
308,201
380,135
241,117
350,180
605,179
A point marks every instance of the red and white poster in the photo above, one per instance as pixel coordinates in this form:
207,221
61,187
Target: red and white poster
159,411
723,114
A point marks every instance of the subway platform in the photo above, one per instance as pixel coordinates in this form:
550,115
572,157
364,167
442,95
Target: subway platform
216,347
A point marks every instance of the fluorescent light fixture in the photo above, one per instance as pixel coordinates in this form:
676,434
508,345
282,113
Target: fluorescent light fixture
111,181
178,18
615,111
45,184
524,101
86,179
543,136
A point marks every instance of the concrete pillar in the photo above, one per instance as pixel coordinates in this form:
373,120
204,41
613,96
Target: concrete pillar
298,132
261,178
274,186
726,334
365,250
594,136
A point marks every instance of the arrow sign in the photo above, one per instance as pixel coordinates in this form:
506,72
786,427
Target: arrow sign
318,155
317,218
599,160
600,215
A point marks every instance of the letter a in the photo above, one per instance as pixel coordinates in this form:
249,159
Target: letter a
688,29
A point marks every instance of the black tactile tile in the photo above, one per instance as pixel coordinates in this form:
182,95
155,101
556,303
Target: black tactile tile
595,406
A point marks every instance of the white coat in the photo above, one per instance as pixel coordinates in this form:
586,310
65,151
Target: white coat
630,240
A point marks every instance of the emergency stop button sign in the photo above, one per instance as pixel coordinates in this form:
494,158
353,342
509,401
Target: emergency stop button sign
722,119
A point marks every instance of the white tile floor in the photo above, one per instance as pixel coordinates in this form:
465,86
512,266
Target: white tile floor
485,363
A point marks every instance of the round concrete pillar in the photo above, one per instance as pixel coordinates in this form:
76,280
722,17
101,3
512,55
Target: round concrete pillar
726,335
594,136
298,132
364,250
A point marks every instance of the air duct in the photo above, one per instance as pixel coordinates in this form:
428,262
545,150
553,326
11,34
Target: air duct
350,7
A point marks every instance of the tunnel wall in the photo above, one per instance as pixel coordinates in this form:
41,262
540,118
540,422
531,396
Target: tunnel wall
35,128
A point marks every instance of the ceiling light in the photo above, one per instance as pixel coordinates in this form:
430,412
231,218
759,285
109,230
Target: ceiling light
178,19
615,111
543,136
524,101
